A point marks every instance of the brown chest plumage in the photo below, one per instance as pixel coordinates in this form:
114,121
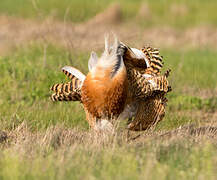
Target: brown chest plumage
104,97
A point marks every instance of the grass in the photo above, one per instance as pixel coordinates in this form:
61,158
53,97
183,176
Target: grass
29,80
39,158
27,76
163,12
47,140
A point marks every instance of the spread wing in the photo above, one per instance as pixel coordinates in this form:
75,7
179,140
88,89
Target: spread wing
147,60
144,71
147,87
70,91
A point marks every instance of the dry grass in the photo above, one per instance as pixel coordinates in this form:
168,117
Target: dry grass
89,35
61,153
41,140
61,137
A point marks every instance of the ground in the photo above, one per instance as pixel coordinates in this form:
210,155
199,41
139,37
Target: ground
40,139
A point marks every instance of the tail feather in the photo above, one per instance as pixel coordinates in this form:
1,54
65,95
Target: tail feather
152,86
155,60
68,74
72,86
144,85
65,97
73,73
160,83
70,91
147,59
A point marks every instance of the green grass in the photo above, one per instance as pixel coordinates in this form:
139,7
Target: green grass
49,140
160,12
192,69
164,160
27,75
26,79
39,153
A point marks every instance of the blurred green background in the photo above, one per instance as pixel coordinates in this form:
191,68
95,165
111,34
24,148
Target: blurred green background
177,13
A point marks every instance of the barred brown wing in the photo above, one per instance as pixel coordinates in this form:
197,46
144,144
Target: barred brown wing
149,113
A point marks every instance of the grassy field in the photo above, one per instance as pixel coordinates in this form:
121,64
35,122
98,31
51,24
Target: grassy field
40,139
178,13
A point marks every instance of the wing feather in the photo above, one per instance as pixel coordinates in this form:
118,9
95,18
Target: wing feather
72,72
